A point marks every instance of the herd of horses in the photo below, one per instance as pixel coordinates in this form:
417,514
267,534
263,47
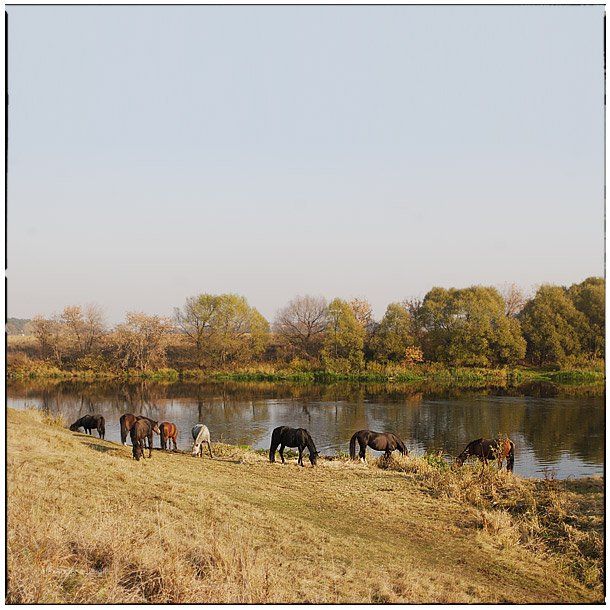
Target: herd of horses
141,431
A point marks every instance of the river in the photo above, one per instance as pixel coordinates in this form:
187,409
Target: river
556,433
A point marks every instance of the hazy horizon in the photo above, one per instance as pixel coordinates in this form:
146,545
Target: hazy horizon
159,152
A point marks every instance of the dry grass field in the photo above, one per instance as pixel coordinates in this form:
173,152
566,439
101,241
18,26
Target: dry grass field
87,524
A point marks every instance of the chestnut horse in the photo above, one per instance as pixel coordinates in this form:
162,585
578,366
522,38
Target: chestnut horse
490,449
90,422
379,441
143,429
168,432
292,437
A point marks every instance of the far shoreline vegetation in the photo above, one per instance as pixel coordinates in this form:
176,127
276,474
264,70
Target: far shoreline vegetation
477,336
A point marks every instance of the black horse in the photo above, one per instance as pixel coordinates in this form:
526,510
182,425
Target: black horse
283,436
90,422
141,430
380,441
490,449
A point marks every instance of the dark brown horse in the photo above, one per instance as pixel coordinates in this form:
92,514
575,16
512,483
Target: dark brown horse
168,432
143,429
490,449
90,422
292,437
126,421
379,441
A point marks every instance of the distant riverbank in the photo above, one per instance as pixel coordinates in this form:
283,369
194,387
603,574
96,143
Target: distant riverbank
432,373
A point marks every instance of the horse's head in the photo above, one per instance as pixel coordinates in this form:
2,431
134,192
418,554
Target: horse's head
313,457
460,459
74,427
137,451
196,448
403,449
155,427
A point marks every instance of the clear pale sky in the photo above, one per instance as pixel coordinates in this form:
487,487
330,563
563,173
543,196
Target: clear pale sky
159,152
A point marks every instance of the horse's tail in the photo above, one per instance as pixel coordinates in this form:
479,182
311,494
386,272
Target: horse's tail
123,429
163,433
275,441
510,459
352,446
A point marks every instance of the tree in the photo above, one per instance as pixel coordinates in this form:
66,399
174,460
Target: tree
223,328
50,336
589,297
301,324
514,299
84,329
469,327
394,334
140,342
344,339
552,326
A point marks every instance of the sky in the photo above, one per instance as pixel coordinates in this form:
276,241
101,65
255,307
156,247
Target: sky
156,153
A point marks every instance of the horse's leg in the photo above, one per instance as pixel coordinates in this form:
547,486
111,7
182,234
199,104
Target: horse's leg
209,449
362,452
300,462
150,443
281,451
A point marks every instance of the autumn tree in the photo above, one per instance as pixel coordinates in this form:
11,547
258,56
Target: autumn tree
301,324
222,328
514,299
552,326
140,341
589,298
344,339
84,329
394,334
50,336
469,327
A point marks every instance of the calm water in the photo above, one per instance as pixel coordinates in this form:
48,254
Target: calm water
553,432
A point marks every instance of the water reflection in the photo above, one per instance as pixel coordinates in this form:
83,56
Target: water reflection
551,429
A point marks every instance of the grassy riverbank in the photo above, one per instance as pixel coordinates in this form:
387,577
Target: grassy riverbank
426,373
88,524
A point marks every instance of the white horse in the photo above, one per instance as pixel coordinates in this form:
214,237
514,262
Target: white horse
201,435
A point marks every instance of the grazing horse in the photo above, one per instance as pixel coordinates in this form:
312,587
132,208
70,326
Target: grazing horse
143,429
379,441
168,432
292,437
201,435
90,422
490,449
126,421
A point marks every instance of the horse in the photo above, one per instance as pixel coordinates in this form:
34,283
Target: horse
168,432
490,449
292,437
126,421
91,422
379,441
143,429
201,435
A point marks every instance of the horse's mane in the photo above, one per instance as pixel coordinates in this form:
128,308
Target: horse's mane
310,443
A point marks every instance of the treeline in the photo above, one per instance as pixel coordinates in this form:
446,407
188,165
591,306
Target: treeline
477,326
